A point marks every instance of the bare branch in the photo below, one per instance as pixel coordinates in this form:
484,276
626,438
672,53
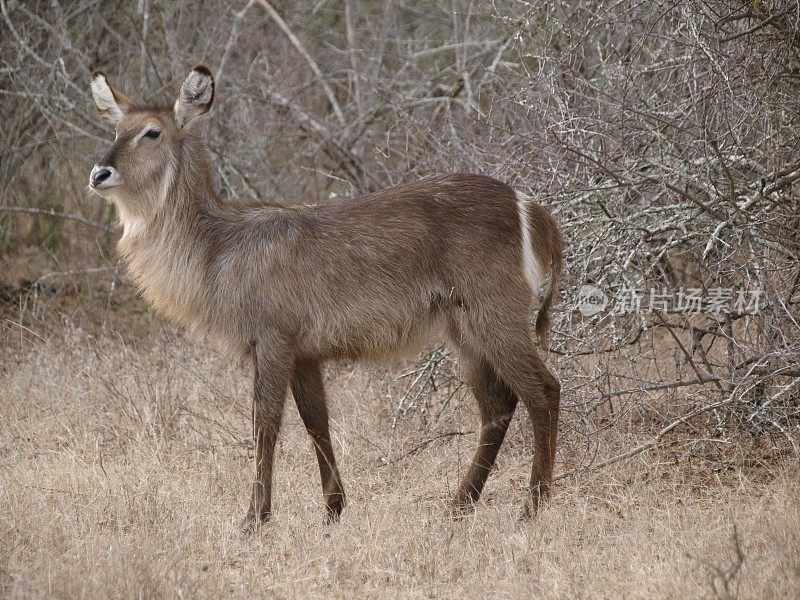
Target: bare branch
58,215
308,58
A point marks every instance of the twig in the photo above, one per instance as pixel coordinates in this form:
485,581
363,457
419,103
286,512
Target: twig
355,76
347,160
425,443
648,444
71,272
237,20
308,58
753,29
58,215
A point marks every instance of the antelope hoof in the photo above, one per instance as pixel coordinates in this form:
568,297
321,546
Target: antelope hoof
333,510
535,502
251,524
528,512
459,509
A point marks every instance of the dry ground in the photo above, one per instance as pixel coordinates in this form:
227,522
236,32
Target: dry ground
124,468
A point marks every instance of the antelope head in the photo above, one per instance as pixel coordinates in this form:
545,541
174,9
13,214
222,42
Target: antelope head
138,169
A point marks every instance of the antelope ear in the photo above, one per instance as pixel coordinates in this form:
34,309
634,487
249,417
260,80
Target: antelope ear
111,103
195,97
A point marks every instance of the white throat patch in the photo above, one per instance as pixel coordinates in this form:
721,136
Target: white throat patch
132,226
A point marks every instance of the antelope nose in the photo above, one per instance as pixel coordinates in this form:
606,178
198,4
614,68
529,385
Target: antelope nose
100,175
103,177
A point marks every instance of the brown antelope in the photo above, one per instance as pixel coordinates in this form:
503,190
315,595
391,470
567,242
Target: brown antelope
463,257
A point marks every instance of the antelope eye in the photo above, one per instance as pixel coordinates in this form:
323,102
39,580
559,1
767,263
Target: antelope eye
152,134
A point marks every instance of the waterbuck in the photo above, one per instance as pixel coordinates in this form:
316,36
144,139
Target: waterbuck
460,257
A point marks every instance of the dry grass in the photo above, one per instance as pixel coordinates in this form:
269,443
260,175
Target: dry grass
124,467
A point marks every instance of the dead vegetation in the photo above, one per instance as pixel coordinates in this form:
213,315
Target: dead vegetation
123,459
663,138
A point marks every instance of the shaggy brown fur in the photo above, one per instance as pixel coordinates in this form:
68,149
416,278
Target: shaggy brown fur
358,278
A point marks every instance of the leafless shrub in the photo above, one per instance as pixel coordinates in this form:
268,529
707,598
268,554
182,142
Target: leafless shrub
663,136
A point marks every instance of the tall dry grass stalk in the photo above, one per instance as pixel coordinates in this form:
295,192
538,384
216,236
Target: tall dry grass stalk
663,138
123,458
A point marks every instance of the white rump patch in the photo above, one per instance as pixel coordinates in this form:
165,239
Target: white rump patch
531,268
104,99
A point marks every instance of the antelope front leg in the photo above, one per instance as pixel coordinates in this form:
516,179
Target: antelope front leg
270,380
